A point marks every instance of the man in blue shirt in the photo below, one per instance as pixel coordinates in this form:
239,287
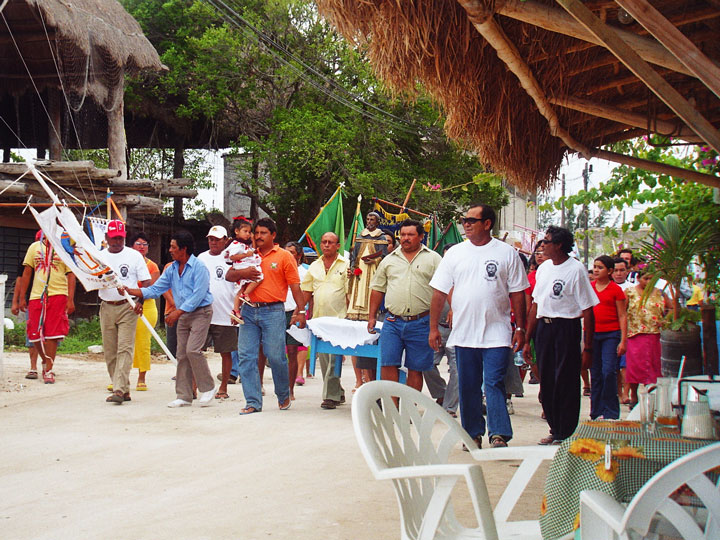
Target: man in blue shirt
189,281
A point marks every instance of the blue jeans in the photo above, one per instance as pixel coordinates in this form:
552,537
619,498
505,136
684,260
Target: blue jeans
475,367
264,325
235,370
409,336
603,388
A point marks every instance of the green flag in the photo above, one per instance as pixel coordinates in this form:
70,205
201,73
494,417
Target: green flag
450,235
356,227
329,219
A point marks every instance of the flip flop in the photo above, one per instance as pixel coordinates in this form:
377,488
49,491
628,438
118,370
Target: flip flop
249,410
32,374
285,406
221,395
141,387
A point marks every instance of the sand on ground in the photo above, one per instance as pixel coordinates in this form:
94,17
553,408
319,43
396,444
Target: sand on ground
75,467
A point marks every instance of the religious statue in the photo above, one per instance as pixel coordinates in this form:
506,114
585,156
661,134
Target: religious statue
369,249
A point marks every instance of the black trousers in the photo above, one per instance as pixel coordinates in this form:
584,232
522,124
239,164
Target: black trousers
557,346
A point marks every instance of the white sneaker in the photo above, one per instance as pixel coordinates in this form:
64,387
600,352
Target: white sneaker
510,408
206,398
179,403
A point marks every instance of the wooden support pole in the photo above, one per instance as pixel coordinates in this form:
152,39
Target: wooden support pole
661,168
508,53
407,197
117,142
674,41
556,20
627,55
54,124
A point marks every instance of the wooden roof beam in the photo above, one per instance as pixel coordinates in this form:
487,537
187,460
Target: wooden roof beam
628,118
660,168
627,55
556,20
674,41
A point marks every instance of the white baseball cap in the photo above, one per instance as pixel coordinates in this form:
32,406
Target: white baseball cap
218,231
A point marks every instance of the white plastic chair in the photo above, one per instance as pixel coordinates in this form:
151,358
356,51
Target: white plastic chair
652,513
410,445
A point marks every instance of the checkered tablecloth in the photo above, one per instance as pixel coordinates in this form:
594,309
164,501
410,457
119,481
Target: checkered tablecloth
580,464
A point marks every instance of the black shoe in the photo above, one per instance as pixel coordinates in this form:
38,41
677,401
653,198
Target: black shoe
342,399
533,380
329,404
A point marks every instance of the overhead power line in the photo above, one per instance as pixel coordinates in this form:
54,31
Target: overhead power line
309,74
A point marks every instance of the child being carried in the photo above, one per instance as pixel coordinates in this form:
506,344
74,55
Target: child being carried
241,254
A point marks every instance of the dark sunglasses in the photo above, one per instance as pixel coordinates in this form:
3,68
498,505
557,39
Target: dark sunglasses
471,220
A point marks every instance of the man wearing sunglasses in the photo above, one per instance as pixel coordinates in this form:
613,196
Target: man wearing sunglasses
486,277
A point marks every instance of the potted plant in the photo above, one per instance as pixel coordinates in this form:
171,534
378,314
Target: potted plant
669,253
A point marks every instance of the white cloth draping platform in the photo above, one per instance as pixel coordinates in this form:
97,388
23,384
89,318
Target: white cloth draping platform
343,337
342,332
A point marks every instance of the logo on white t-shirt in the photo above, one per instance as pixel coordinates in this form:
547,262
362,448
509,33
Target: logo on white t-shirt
491,268
557,289
219,272
124,270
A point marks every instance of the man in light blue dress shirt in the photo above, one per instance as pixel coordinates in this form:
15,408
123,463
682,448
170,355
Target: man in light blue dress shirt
189,281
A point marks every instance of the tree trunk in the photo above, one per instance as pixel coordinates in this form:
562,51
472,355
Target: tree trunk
178,167
710,347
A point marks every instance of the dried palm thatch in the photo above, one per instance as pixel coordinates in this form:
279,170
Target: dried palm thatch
435,43
84,47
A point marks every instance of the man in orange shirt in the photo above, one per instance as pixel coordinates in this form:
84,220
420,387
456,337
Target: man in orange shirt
264,317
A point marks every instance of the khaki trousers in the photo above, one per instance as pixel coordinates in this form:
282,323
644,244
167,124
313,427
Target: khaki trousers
117,324
331,382
192,331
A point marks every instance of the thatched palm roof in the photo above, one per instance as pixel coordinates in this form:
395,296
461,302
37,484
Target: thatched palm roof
524,82
83,46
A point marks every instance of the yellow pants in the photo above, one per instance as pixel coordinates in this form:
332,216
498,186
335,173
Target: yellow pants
141,359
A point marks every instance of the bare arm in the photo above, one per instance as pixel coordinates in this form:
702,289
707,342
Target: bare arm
71,292
436,305
250,273
375,300
517,300
531,325
15,307
622,318
299,297
24,284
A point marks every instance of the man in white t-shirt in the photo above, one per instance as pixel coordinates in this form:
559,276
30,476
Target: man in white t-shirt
562,296
222,332
117,319
620,273
486,277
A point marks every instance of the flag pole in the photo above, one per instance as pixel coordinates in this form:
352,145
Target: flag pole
355,223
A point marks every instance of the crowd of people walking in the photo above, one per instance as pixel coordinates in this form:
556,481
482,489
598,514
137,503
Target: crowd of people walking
481,305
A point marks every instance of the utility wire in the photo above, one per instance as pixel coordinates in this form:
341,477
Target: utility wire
273,46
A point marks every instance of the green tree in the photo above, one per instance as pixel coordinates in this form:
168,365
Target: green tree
306,114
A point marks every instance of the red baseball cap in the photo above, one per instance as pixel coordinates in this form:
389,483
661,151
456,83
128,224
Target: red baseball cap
116,228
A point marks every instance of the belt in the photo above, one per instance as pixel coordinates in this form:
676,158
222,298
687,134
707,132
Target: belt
262,304
410,317
116,303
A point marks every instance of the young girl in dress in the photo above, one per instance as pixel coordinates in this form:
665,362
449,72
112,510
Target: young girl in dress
241,254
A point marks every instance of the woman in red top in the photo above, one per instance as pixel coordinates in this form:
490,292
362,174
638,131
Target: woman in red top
609,342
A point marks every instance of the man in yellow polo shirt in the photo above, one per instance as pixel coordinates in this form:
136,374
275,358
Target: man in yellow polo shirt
326,282
403,278
264,317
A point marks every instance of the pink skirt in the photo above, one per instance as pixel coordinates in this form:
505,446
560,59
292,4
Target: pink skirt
643,359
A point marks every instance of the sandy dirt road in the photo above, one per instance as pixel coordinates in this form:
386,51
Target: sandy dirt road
75,467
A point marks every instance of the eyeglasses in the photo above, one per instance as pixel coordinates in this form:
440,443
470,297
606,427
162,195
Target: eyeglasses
471,220
141,244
